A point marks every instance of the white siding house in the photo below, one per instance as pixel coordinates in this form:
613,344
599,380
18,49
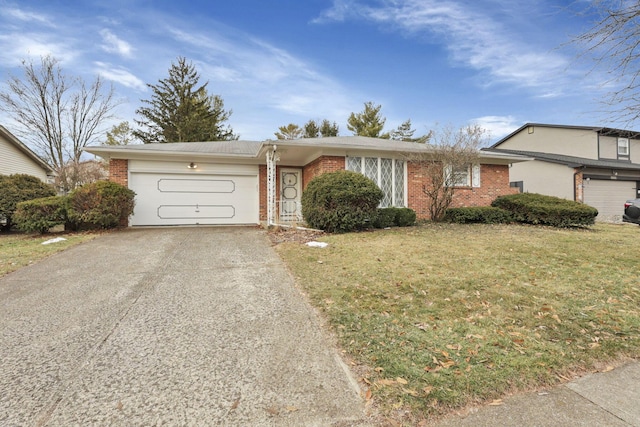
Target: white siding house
15,157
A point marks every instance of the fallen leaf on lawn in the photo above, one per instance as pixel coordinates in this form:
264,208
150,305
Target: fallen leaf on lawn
456,347
445,354
410,392
447,364
379,369
557,319
607,369
427,389
392,423
366,381
367,395
402,380
496,402
386,382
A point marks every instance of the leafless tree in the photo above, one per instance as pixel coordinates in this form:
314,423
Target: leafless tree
77,173
58,114
448,163
613,44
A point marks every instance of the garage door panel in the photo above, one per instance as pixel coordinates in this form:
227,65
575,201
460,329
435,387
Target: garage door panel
176,199
608,196
196,212
173,185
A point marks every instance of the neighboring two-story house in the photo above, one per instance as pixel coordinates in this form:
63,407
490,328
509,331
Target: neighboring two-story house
595,165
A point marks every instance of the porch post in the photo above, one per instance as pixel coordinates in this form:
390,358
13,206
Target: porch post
271,186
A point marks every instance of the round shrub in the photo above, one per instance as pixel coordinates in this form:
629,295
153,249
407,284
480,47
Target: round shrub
39,215
101,204
405,217
385,217
532,208
340,201
19,188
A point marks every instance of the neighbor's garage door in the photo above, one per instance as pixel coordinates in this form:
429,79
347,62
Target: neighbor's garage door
180,199
608,197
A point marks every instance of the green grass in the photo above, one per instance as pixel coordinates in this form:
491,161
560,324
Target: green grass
19,250
442,316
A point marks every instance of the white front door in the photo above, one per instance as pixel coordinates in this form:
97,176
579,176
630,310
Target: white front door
290,193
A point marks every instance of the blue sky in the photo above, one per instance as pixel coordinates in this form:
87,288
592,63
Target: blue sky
499,63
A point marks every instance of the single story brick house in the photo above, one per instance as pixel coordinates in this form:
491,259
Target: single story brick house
249,182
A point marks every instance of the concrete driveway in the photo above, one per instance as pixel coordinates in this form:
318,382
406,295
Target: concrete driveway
172,327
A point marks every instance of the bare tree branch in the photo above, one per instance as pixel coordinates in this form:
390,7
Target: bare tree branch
612,43
58,115
451,151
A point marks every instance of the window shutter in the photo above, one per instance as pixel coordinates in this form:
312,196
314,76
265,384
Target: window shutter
475,176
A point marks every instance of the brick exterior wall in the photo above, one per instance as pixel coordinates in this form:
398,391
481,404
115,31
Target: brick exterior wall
119,171
321,165
494,182
317,167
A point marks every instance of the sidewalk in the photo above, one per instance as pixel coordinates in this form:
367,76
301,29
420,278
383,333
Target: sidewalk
596,400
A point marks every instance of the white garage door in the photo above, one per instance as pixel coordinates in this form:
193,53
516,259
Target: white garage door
608,197
181,199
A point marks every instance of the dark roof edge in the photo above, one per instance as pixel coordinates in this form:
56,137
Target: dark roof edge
526,125
570,161
26,150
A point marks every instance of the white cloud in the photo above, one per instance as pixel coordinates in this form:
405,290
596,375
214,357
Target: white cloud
471,35
113,44
271,76
497,126
16,47
120,75
22,15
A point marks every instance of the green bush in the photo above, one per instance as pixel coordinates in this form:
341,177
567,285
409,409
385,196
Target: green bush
100,204
39,215
480,214
19,188
531,208
405,217
385,217
340,201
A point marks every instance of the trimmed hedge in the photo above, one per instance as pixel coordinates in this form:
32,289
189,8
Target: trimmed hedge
392,216
100,204
19,188
531,208
405,217
385,217
39,215
340,201
480,214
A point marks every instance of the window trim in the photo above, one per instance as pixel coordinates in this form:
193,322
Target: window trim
624,144
378,180
472,176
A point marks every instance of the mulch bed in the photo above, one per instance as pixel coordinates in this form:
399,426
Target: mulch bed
282,235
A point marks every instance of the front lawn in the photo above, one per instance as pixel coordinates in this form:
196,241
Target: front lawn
19,250
442,316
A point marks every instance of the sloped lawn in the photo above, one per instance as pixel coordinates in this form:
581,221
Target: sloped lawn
19,250
442,316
